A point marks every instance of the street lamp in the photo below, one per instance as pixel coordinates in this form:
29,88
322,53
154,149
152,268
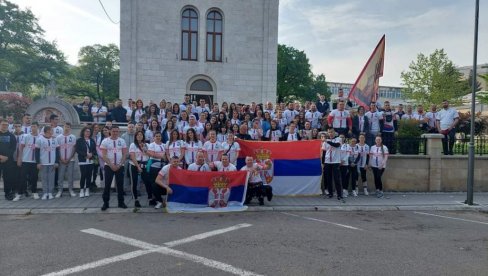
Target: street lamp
470,184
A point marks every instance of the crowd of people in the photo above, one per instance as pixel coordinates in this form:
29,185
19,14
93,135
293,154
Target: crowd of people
202,137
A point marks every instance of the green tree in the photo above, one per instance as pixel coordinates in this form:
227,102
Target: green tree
99,66
319,86
295,77
26,58
430,79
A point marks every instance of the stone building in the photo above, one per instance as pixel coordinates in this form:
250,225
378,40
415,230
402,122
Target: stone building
212,49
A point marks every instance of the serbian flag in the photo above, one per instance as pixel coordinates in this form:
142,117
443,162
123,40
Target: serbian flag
207,191
296,165
365,89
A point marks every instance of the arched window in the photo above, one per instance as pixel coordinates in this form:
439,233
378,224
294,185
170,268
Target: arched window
201,85
189,34
214,36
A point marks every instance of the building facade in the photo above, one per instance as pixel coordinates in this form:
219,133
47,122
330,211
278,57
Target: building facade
216,50
392,94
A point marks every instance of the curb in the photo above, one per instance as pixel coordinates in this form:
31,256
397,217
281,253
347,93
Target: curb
27,211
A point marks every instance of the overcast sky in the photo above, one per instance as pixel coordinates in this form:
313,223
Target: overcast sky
338,36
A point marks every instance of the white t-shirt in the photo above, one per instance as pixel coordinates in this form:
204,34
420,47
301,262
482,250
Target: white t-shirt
432,116
140,155
26,129
233,153
47,150
181,126
97,110
313,118
340,118
332,154
212,150
374,120
254,176
66,146
447,117
199,168
221,168
164,172
158,149
114,149
191,149
289,115
255,134
29,153
345,153
174,148
273,135
363,153
378,157
137,114
197,129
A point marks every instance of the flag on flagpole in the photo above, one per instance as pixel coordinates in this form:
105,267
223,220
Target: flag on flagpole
366,88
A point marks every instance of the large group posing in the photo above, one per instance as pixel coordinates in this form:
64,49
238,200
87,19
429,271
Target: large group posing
202,138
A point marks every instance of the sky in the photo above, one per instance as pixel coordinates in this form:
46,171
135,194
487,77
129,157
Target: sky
338,36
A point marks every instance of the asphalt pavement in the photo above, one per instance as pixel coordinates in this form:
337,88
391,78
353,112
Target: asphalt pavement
246,243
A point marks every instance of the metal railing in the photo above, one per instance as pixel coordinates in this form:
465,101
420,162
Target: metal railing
415,146
461,146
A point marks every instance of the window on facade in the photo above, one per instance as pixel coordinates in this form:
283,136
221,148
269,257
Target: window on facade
214,36
189,34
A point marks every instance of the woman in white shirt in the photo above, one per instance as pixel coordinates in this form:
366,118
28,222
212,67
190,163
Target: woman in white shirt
175,146
192,146
157,155
378,156
138,161
363,150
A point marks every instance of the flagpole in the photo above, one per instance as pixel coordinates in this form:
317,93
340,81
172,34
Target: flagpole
470,184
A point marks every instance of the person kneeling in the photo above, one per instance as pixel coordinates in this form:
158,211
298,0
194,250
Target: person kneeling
255,187
161,185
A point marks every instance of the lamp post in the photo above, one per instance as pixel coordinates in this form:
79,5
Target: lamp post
469,199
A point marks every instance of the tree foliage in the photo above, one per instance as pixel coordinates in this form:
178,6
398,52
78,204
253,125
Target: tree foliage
26,58
430,79
483,97
294,74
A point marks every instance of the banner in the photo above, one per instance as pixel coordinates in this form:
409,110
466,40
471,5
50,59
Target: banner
207,191
296,168
366,88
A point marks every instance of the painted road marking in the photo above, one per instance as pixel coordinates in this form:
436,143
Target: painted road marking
453,218
324,221
147,248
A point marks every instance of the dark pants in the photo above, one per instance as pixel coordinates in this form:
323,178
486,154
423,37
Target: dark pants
8,171
56,176
158,191
331,171
134,180
342,130
344,176
86,175
28,178
119,181
363,174
377,178
353,175
389,141
257,190
95,168
448,142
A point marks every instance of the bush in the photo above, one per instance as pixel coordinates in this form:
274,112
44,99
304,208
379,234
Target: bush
464,125
409,129
14,104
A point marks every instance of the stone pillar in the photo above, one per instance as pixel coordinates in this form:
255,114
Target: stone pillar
434,151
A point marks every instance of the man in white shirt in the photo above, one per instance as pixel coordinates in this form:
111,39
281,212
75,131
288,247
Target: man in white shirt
161,185
212,148
231,148
432,116
340,120
446,125
199,165
290,113
332,161
47,158
67,142
224,165
27,161
202,107
114,153
99,112
255,187
26,123
313,116
192,123
374,118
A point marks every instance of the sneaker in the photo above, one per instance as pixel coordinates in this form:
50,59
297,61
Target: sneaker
71,193
82,193
380,194
354,193
50,196
35,195
366,191
261,201
269,194
158,205
137,204
104,207
58,195
87,192
345,193
44,197
17,197
152,202
122,205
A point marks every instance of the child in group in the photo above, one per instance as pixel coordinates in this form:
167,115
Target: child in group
47,158
363,151
344,167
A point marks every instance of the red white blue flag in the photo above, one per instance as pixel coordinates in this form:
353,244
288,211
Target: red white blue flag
207,191
296,165
366,88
